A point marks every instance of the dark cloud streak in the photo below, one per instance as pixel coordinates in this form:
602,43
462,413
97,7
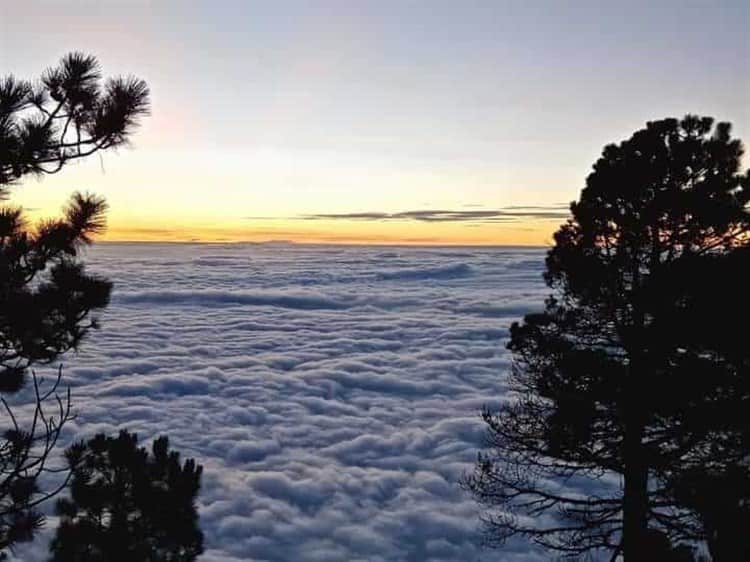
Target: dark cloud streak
505,214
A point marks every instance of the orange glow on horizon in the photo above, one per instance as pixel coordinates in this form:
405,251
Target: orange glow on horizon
538,233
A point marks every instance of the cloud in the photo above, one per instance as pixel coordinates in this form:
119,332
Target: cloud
502,215
331,393
451,271
230,298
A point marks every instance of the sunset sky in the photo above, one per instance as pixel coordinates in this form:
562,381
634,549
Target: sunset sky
375,121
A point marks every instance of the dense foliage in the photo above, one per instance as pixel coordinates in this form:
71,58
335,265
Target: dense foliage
127,505
46,296
635,371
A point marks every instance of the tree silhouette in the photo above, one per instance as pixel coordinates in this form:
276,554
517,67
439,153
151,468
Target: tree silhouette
68,115
621,375
127,505
713,477
720,500
46,297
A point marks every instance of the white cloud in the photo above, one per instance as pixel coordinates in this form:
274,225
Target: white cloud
332,393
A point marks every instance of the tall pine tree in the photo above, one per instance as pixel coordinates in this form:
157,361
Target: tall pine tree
626,376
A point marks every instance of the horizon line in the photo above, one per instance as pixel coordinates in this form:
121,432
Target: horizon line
321,243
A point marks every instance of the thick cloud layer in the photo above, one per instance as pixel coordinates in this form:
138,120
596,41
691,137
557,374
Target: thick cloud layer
332,393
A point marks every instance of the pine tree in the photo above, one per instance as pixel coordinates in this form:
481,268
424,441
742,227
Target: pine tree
713,480
46,296
622,375
127,505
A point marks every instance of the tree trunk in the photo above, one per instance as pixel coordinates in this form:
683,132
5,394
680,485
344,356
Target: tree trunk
635,504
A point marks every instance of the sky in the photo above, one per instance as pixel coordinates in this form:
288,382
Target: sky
418,122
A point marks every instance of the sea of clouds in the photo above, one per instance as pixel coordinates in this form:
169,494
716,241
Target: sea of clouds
332,393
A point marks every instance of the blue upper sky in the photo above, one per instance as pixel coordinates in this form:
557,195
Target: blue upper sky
286,108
